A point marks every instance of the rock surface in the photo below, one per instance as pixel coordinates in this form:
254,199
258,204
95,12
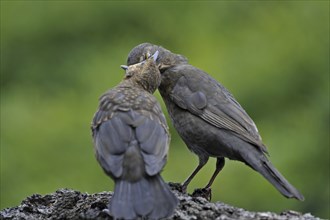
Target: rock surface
70,204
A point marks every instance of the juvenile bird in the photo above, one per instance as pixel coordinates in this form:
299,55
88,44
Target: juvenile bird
209,119
131,141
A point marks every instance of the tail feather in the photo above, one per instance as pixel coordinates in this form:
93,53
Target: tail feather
150,197
260,163
164,200
120,204
142,198
281,184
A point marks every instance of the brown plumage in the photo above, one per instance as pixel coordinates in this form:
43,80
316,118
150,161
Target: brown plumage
131,141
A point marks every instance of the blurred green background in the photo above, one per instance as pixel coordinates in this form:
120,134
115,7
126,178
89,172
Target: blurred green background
58,57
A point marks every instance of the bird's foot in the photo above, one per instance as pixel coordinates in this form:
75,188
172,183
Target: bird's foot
203,192
105,213
178,186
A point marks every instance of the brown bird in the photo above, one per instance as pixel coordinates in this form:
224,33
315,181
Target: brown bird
210,120
131,141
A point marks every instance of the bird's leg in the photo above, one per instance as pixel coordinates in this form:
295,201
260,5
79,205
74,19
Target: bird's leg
202,162
206,192
218,167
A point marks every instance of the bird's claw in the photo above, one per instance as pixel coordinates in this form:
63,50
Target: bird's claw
179,187
203,192
105,213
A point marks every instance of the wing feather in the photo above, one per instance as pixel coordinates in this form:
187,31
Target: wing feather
204,97
154,143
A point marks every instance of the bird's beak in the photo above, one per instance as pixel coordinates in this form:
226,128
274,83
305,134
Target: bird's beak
162,67
124,67
155,55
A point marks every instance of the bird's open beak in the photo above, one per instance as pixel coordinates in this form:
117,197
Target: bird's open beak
155,56
124,67
163,67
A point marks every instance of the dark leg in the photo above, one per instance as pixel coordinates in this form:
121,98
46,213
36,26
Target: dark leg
202,162
218,167
206,191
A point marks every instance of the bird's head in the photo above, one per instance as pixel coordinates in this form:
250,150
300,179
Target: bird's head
145,73
166,58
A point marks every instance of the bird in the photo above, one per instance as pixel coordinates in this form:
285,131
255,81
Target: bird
131,141
209,120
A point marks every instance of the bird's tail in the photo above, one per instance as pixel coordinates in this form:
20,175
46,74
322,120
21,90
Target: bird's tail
265,168
149,197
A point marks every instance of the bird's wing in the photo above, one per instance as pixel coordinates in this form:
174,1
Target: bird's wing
115,128
203,96
111,140
154,143
114,136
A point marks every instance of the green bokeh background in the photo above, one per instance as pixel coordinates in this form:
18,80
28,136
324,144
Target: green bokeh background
58,57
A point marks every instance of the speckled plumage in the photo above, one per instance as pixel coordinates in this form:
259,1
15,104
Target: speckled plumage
131,141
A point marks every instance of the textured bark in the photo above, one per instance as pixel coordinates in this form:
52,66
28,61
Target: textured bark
70,204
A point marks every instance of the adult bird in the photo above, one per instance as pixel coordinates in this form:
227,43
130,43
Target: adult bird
131,141
209,119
